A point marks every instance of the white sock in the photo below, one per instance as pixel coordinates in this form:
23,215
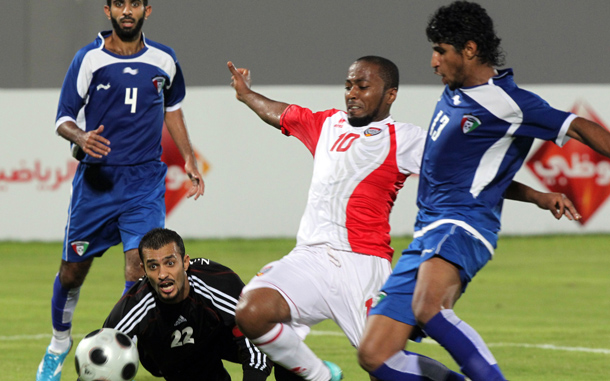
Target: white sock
60,342
285,347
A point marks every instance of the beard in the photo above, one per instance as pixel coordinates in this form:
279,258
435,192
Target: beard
127,35
455,85
360,121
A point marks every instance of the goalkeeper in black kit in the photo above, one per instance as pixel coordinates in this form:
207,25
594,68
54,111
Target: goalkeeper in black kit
182,315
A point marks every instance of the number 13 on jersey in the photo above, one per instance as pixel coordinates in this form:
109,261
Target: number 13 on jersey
438,124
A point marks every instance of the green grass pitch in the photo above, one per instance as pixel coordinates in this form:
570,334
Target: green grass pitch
542,304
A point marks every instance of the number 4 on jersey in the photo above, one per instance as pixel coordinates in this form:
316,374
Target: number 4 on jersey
131,98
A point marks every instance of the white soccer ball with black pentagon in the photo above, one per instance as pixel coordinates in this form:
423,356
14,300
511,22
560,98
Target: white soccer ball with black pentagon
106,355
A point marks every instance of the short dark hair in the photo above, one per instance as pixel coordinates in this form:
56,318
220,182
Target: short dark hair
462,21
108,2
159,237
388,71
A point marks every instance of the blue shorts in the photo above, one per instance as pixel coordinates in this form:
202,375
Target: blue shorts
113,204
448,241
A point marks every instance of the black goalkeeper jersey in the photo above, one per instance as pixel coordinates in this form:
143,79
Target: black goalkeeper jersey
188,340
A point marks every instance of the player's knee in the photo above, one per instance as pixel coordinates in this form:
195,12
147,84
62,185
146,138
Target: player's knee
259,310
72,275
369,358
242,313
424,310
248,315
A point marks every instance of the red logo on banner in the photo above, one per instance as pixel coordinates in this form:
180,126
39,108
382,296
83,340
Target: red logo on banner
177,182
575,170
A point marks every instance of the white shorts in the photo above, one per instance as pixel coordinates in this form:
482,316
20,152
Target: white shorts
321,283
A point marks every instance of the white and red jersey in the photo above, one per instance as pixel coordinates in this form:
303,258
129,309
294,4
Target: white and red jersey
357,174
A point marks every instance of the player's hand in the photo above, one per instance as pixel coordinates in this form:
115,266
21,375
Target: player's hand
94,144
198,186
240,80
559,205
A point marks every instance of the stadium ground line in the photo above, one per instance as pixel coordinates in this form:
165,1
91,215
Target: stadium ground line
337,333
551,347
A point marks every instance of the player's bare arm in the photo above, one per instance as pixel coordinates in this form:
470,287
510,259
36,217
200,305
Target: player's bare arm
91,142
591,134
557,203
174,120
268,110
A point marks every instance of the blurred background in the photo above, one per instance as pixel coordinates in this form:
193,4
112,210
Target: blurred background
309,42
298,52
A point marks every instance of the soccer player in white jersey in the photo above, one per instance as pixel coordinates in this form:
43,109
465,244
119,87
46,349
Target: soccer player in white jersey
479,136
117,94
343,255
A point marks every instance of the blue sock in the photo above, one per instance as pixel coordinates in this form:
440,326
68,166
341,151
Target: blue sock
408,366
128,284
63,304
465,346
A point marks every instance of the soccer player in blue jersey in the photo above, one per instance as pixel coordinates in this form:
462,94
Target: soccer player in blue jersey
480,133
117,94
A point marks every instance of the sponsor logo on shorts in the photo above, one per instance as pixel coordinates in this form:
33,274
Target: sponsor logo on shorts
80,247
426,251
264,270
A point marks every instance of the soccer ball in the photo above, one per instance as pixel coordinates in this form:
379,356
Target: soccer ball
106,355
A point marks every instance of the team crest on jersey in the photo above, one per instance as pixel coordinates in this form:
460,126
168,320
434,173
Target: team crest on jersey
264,270
159,83
372,131
80,247
378,298
469,123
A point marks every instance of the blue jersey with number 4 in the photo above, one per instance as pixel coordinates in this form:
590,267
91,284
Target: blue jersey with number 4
477,141
128,95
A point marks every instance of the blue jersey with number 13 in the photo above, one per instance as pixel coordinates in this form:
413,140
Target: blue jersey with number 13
477,141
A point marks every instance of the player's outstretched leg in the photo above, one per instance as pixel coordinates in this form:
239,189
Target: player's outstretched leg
336,374
381,350
51,365
66,290
258,315
62,304
465,346
409,366
284,346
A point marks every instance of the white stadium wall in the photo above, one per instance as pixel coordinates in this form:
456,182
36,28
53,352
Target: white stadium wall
256,178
